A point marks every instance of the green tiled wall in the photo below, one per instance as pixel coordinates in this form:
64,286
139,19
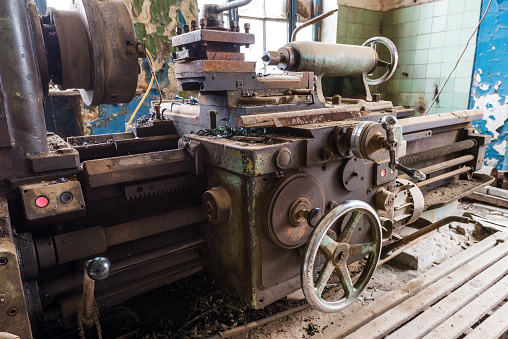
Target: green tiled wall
357,25
429,38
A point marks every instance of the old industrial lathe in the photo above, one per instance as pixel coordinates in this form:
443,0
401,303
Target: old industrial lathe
269,183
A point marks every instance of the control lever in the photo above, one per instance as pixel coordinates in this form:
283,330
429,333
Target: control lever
388,122
95,269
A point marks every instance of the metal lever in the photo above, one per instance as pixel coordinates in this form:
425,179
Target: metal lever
412,172
388,122
95,269
313,213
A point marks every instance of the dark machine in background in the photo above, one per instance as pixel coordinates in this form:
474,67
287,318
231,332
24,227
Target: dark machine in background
277,187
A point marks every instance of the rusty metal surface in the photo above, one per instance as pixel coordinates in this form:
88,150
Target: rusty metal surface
439,120
213,36
145,227
284,226
135,167
300,117
451,192
13,310
215,66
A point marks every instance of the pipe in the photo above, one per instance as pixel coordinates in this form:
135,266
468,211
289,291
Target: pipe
21,93
443,165
311,22
427,182
231,5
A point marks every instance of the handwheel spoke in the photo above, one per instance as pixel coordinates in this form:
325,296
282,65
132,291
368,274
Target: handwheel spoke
357,249
345,280
326,272
384,63
345,235
328,246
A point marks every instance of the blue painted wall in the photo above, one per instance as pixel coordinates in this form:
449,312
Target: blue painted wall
489,90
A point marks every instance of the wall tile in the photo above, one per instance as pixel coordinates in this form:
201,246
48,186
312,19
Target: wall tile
461,101
399,16
450,85
342,14
433,71
462,85
418,86
437,40
439,24
411,28
393,85
413,13
425,26
435,55
446,68
423,41
351,15
360,16
472,5
388,17
471,20
421,56
452,38
456,6
454,21
445,100
351,31
426,10
405,85
441,7
450,54
419,72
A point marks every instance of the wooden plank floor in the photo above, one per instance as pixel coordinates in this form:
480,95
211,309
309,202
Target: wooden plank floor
463,297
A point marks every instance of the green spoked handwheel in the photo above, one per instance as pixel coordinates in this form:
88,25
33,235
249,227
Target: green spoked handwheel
339,242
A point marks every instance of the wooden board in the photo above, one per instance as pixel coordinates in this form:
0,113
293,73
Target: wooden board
435,297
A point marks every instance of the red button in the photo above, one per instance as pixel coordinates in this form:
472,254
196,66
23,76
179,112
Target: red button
383,173
41,201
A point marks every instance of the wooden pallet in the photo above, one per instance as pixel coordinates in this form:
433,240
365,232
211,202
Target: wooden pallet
462,296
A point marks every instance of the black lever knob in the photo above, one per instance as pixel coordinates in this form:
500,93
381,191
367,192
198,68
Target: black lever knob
313,217
98,268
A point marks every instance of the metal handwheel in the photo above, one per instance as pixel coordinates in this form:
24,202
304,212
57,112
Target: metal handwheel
345,218
392,65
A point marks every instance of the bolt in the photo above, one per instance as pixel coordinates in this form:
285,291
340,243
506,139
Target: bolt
194,25
3,299
203,23
178,30
232,26
186,28
326,154
246,27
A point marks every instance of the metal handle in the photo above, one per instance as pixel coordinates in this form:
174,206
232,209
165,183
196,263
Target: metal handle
312,21
95,269
231,5
388,122
411,172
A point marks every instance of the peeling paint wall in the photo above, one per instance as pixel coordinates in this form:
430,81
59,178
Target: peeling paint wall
489,91
155,22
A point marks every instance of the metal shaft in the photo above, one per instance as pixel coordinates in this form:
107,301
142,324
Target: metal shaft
21,94
437,152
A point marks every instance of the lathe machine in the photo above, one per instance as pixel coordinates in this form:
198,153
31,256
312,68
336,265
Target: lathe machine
269,183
